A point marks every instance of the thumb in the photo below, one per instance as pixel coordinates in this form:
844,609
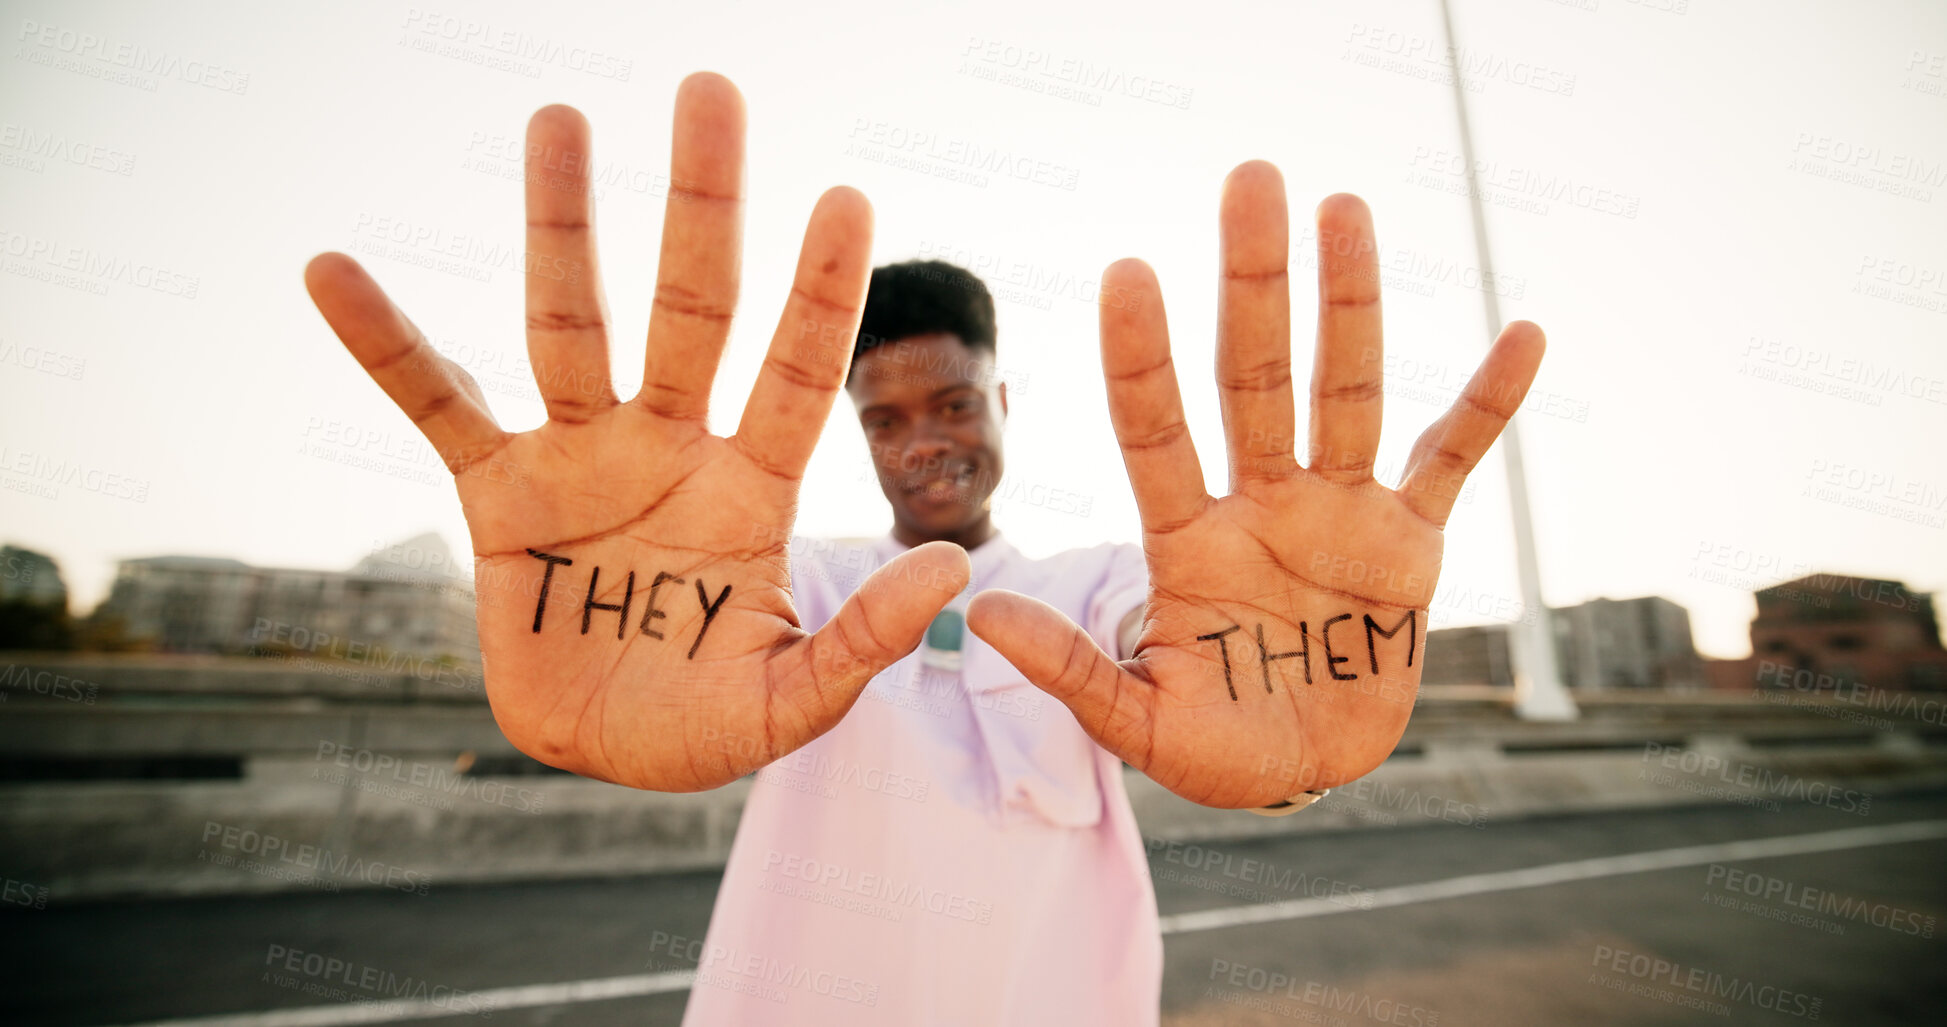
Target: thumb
1061,659
877,626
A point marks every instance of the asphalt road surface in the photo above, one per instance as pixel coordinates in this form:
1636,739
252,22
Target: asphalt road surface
1708,915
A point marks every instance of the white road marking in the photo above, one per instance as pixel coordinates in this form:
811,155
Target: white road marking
1558,873
529,995
485,1000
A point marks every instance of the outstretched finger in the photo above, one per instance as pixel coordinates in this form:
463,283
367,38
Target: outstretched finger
1254,324
875,628
1059,658
440,398
697,274
567,321
1347,369
1145,407
1451,447
806,364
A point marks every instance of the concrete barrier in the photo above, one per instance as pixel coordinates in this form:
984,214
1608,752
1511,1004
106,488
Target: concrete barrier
86,841
331,794
324,828
108,677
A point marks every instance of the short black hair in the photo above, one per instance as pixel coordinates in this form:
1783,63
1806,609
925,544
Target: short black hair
923,297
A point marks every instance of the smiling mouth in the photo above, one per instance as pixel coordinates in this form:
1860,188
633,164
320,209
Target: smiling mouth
945,486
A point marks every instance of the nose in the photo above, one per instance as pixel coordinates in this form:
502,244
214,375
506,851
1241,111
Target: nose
926,450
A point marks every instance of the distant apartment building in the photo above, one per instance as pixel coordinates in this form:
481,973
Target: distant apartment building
33,602
1627,643
1836,631
219,605
1476,655
1604,643
31,579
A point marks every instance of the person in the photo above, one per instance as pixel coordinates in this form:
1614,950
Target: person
643,620
955,818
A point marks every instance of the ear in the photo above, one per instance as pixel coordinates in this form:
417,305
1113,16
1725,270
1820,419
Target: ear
1003,390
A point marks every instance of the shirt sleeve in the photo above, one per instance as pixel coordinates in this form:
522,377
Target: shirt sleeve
1124,587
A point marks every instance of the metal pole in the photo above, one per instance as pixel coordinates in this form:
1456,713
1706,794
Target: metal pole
1538,690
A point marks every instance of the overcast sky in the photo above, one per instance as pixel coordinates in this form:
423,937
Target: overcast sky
1729,217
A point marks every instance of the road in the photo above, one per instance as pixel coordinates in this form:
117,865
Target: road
1845,928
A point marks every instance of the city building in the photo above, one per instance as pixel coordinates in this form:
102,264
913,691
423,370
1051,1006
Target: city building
1604,643
220,605
1836,631
1626,643
32,579
33,602
1476,655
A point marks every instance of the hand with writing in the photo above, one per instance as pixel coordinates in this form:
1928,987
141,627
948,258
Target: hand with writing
631,568
1282,643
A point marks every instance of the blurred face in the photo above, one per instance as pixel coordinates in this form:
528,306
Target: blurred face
932,410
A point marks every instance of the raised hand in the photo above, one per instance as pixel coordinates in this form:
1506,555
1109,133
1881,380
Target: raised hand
1282,645
631,568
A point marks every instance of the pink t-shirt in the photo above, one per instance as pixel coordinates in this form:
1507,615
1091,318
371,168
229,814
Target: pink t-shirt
955,851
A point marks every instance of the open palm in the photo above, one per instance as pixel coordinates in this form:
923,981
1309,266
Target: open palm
1281,646
631,568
